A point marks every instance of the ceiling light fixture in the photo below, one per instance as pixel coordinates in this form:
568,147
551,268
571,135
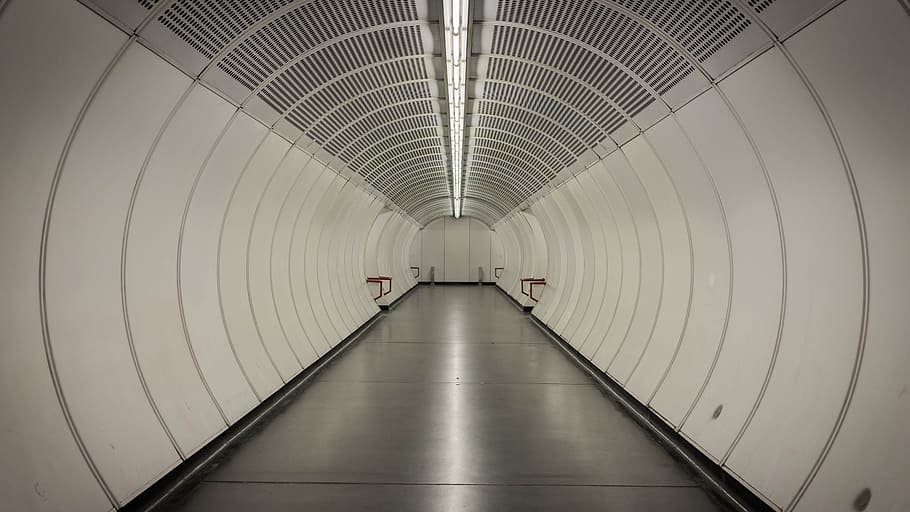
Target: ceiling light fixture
456,35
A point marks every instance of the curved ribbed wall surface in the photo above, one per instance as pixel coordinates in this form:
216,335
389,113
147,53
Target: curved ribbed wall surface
168,261
739,265
192,195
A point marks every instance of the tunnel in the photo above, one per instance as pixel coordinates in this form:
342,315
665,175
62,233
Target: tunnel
419,255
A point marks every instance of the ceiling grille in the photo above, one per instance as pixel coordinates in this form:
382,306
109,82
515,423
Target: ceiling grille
560,78
760,5
525,78
337,60
307,27
209,25
586,68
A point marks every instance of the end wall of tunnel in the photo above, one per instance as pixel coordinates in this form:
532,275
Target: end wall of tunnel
737,262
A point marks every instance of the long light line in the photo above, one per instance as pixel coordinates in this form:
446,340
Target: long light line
456,35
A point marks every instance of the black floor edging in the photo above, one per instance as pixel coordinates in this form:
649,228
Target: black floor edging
723,486
519,305
394,303
456,283
191,471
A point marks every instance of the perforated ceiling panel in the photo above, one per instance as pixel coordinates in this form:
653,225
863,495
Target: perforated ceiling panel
563,77
361,84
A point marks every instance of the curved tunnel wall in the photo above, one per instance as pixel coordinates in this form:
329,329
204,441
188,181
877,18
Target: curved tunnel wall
169,262
740,266
737,264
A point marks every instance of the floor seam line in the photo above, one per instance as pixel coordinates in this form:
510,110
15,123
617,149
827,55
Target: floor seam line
435,484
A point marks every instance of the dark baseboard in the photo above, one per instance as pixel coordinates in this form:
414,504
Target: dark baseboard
457,283
723,487
394,303
191,471
519,305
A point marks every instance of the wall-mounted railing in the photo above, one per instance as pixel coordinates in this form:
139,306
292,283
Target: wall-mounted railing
540,281
380,280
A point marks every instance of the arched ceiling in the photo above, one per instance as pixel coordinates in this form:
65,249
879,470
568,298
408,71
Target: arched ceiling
552,85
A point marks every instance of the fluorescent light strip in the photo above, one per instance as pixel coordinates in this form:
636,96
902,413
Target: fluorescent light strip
456,35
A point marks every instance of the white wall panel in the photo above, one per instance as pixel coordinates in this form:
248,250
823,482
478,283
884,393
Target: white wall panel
497,252
259,248
150,269
557,268
519,260
551,236
397,256
625,341
243,142
387,255
675,299
534,244
864,88
579,250
824,279
784,17
704,328
375,209
370,210
384,247
751,335
248,344
315,282
413,232
433,251
415,254
304,272
280,262
400,257
585,261
84,301
331,258
373,249
456,249
512,257
521,233
339,261
604,266
622,279
40,462
480,247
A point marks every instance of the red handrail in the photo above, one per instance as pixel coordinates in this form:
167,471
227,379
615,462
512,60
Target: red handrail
496,272
531,282
379,280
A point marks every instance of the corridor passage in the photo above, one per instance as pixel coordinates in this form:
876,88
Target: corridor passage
453,401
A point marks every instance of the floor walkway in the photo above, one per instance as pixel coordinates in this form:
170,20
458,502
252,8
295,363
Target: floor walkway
453,401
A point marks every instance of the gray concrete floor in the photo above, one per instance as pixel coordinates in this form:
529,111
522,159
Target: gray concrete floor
453,401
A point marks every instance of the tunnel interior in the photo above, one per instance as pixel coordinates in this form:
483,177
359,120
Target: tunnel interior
200,201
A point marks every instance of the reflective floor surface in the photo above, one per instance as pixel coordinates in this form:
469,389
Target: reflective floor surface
453,401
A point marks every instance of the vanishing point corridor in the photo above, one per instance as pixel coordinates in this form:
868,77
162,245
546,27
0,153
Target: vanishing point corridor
454,400
438,255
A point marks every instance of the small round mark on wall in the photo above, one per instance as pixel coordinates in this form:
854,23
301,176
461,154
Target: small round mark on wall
861,502
717,411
